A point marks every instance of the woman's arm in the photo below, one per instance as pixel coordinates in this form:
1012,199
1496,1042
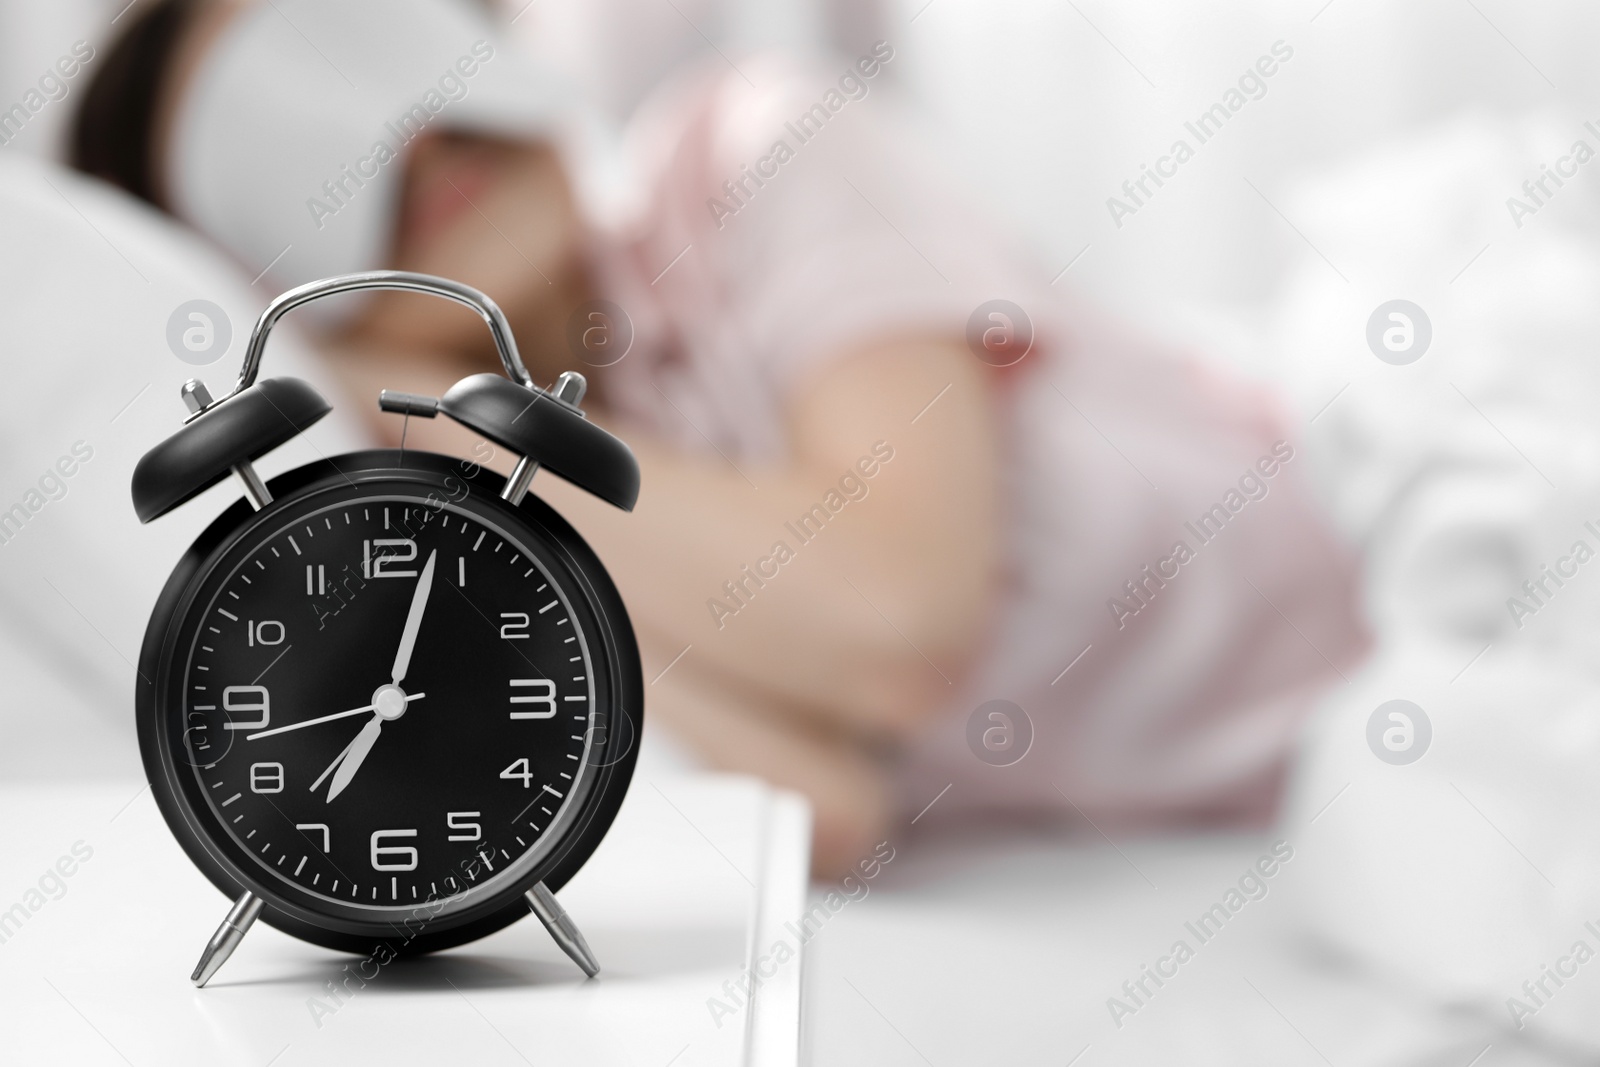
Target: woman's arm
866,629
738,728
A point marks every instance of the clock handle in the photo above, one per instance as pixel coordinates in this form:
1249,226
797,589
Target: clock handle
241,916
226,434
406,281
562,928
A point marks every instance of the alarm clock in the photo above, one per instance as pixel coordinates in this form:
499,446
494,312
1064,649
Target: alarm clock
389,697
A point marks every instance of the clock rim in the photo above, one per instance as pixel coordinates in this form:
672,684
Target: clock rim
614,653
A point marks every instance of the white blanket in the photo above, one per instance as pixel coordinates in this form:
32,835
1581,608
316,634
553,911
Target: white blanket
1455,880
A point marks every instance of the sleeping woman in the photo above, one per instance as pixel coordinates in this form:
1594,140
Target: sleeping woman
915,526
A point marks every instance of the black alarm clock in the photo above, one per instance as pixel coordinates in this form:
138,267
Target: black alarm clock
390,697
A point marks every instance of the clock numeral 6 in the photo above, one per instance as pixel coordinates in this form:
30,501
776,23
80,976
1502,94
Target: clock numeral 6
455,820
247,698
378,563
546,696
266,777
512,772
266,632
379,850
515,628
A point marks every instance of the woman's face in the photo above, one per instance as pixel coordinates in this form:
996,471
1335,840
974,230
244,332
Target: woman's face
496,214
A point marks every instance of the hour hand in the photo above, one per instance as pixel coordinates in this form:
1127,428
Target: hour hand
350,761
337,761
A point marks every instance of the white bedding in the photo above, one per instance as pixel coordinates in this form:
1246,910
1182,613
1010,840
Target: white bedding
1422,897
88,279
1456,879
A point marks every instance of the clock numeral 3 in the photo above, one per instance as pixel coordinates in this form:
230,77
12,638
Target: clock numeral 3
547,697
451,820
266,777
512,773
379,850
247,698
378,563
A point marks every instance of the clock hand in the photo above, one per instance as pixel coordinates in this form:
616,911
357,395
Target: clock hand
354,755
323,719
419,601
337,760
349,761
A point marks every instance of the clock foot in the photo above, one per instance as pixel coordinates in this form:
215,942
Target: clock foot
562,928
227,938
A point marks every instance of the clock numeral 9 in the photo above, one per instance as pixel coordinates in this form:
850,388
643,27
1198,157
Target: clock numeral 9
247,698
513,773
547,697
266,777
409,863
261,635
451,820
380,564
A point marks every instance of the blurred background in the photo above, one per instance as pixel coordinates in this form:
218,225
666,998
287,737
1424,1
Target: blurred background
1395,154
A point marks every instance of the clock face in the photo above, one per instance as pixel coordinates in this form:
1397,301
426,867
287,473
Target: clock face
388,699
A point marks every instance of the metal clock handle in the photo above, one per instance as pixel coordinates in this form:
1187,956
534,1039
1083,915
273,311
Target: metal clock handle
406,281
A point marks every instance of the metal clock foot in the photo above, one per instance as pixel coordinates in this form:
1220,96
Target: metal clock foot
227,938
562,928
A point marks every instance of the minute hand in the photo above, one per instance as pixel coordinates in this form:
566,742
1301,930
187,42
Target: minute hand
322,719
419,602
349,761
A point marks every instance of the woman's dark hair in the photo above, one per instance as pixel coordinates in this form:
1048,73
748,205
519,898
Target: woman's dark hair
113,134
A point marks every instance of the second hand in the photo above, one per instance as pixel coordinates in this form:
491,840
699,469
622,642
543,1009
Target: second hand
325,718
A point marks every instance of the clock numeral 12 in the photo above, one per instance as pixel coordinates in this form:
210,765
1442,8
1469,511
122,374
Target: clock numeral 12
381,564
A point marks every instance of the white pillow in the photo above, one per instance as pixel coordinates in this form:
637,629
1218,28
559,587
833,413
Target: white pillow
88,281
